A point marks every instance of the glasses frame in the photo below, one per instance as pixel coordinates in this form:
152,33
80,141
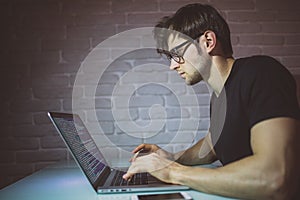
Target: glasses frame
173,54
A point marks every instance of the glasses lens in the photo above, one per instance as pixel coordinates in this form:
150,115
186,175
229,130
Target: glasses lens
174,56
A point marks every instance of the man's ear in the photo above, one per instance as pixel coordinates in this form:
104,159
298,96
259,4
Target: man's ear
210,40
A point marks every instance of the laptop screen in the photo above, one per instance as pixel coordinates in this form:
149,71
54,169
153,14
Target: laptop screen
81,144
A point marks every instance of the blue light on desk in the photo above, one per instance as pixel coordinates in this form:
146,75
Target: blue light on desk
68,183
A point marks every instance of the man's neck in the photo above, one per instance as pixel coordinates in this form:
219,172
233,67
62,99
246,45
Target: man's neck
220,72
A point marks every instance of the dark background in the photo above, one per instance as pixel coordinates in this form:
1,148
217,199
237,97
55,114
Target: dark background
44,41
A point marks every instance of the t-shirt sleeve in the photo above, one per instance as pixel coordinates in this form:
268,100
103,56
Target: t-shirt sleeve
272,92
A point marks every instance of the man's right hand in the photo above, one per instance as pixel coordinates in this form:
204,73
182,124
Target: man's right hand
153,148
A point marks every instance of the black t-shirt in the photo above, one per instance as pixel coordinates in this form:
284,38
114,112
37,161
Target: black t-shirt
258,88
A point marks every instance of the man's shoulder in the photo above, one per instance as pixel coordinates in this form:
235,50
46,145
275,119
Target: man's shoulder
259,62
260,65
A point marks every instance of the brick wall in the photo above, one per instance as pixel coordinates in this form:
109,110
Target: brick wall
45,42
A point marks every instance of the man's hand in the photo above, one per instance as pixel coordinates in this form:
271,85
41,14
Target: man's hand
152,148
155,164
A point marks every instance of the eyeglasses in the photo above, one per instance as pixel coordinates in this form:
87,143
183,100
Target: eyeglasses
174,54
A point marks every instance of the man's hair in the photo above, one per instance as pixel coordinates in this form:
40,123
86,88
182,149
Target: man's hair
193,20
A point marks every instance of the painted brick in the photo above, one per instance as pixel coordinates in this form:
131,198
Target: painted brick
281,27
20,144
47,21
52,142
245,28
94,66
6,8
36,8
173,5
79,32
87,103
31,131
125,27
253,16
98,55
166,113
104,19
80,8
122,42
51,69
94,79
57,93
153,89
114,115
140,77
21,45
150,19
24,32
124,140
293,39
41,118
20,118
119,66
33,58
35,106
138,101
241,51
282,51
261,40
66,45
291,61
50,81
7,156
124,115
107,128
287,16
278,5
233,4
134,6
73,56
40,156
133,54
101,90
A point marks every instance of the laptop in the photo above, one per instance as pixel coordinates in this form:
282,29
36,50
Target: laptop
91,161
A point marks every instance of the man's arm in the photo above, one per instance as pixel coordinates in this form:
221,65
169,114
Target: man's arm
201,153
271,173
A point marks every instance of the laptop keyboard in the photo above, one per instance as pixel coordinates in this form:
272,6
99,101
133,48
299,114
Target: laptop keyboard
137,179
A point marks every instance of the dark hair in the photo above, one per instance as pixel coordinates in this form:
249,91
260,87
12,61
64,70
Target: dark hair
192,20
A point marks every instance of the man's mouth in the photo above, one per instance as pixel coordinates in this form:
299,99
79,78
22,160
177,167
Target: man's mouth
182,74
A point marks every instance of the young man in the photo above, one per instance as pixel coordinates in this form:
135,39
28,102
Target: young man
256,140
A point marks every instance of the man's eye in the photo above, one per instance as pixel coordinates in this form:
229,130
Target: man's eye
175,51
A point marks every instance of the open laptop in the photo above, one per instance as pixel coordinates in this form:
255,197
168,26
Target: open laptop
91,161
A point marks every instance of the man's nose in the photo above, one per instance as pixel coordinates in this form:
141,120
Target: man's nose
173,65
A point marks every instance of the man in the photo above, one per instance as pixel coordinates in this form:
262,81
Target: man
257,140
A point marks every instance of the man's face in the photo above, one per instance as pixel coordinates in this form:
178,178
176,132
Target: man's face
194,61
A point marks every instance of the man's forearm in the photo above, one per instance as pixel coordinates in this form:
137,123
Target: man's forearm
245,179
200,153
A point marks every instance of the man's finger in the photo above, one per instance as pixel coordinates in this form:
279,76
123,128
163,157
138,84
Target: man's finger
138,148
127,176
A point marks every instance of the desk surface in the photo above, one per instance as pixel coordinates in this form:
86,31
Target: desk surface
65,181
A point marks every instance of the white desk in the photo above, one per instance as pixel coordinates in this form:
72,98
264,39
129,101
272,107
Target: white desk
65,181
